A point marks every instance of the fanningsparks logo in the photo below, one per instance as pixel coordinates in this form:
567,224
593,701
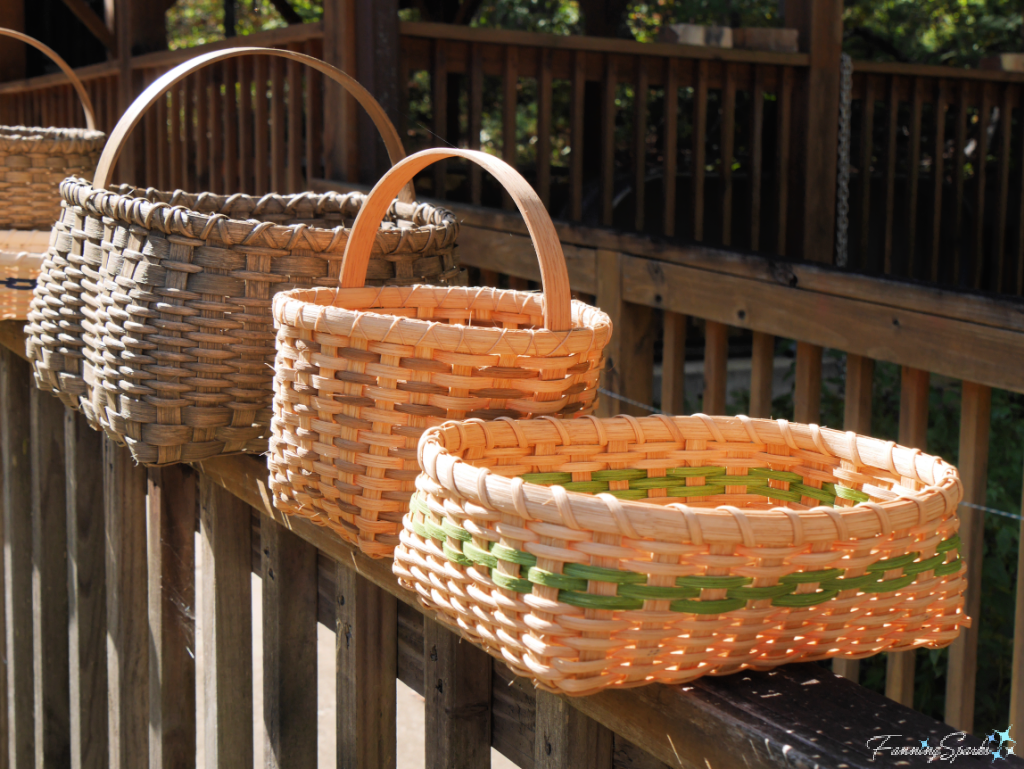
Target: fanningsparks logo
998,745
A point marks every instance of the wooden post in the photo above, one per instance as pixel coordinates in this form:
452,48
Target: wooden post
815,128
377,55
673,364
565,738
1017,674
762,375
807,388
49,581
12,56
716,368
341,135
87,597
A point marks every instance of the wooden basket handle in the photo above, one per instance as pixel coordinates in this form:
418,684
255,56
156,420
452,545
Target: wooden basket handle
160,86
553,273
83,95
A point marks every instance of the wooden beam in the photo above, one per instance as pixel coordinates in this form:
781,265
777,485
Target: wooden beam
807,387
673,364
85,14
762,375
568,739
716,368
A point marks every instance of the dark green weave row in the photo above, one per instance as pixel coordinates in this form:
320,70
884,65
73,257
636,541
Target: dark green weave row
633,590
715,481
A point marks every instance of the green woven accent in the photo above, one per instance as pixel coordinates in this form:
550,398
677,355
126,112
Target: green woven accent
417,527
511,583
479,556
712,583
694,472
546,578
776,475
510,555
657,593
780,494
802,600
898,562
657,483
547,479
608,602
456,556
760,593
809,491
803,577
708,607
618,475
628,493
851,494
453,530
694,491
418,504
888,585
948,568
600,574
926,565
586,487
953,543
433,531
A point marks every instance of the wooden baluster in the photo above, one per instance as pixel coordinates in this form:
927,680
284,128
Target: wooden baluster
175,137
295,109
640,96
277,121
673,364
261,183
671,148
1017,671
476,109
762,375
49,581
439,115
457,688
629,357
756,155
15,382
171,518
890,171
544,85
784,129
509,106
152,147
938,174
565,738
226,527
230,107
1005,133
217,161
314,121
188,144
87,598
576,117
914,170
289,648
716,367
367,655
608,140
202,177
124,502
728,138
975,418
807,387
700,127
959,143
248,159
112,103
163,149
984,121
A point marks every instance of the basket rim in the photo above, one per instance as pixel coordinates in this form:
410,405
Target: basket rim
724,524
316,309
54,134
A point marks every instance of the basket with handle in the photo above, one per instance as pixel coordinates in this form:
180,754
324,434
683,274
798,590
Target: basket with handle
612,553
21,256
362,372
175,341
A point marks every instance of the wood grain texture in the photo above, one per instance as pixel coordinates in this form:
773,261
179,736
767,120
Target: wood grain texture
629,357
87,598
124,503
568,739
227,626
49,582
807,384
762,374
716,361
673,364
289,649
171,522
457,688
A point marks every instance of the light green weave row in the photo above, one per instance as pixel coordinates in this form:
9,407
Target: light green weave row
633,590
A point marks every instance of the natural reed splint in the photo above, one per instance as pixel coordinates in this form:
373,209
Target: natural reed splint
614,553
21,255
362,372
165,298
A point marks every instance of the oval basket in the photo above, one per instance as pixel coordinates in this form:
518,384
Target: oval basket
34,161
166,297
613,553
362,372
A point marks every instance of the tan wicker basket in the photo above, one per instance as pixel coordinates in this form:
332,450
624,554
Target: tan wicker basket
613,553
34,161
21,256
362,372
165,298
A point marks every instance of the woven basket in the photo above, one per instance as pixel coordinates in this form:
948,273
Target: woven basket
21,256
166,297
618,552
362,372
34,161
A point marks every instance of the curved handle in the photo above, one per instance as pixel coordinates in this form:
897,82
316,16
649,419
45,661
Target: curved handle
159,87
553,274
90,115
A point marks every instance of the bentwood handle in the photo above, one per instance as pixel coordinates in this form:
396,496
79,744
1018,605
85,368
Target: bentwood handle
160,86
553,273
90,115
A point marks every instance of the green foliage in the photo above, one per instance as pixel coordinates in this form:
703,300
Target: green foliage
195,22
646,18
557,17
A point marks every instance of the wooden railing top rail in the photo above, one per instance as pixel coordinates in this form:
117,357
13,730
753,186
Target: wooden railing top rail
932,70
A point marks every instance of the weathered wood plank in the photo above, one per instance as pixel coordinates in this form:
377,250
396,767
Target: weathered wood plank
807,384
673,364
716,361
227,626
568,739
629,357
671,147
762,374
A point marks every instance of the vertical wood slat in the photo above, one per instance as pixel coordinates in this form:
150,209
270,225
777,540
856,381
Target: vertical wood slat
188,143
277,125
783,129
230,107
17,498
640,96
867,146
1017,670
226,530
175,136
670,147
289,648
457,688
914,170
807,384
295,136
509,105
163,149
87,599
202,178
124,503
984,121
1005,134
565,738
261,137
1020,230
673,364
544,87
49,581
975,418
151,167
576,117
314,120
700,125
608,140
171,522
728,138
756,156
890,172
367,656
959,142
716,363
216,118
762,374
938,176
476,108
439,114
248,159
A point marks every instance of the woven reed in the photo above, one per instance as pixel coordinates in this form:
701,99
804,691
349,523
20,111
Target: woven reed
613,553
362,372
21,255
